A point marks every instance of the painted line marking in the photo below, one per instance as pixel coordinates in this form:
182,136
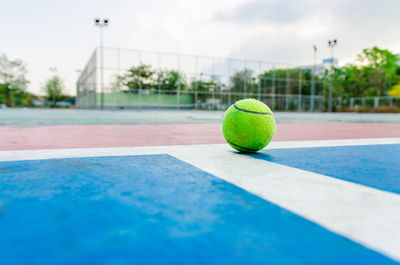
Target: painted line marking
363,214
148,150
124,209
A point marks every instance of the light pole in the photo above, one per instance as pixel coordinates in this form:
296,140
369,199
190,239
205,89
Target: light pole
313,79
331,44
101,23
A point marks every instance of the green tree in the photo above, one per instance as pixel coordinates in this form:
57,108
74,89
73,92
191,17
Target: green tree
54,89
374,74
13,82
243,81
139,77
203,88
170,81
381,68
288,79
143,77
281,79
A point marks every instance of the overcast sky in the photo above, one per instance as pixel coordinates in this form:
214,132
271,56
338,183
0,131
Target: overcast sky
61,34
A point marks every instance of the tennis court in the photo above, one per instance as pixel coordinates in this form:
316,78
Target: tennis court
82,187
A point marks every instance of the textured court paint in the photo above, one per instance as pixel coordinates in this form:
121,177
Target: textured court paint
95,136
151,210
375,166
366,215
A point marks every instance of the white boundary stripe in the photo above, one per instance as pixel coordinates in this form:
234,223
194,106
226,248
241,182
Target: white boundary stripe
115,151
366,215
328,143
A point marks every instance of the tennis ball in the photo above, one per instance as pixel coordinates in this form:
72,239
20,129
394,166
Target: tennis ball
248,125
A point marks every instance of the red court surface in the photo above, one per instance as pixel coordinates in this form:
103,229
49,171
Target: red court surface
92,136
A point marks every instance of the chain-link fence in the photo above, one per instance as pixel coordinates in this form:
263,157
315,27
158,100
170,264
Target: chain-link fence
367,104
114,78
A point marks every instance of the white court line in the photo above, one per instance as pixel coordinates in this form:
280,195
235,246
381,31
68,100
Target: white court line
366,215
144,150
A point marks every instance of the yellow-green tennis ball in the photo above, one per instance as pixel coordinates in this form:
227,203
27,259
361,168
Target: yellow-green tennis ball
248,125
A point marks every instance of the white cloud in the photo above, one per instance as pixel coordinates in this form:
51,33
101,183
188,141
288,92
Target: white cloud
267,11
288,33
61,34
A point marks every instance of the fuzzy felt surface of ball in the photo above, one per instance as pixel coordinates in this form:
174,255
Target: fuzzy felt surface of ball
248,125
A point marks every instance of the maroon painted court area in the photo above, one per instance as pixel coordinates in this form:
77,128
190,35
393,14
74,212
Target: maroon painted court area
90,136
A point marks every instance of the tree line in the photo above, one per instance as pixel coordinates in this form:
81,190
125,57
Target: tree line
375,72
14,84
170,81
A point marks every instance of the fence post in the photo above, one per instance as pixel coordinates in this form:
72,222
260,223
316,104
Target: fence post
178,99
229,83
244,87
287,91
140,83
178,95
312,98
221,96
213,96
376,102
179,81
196,87
351,102
259,81
159,93
195,95
299,97
140,95
159,81
273,90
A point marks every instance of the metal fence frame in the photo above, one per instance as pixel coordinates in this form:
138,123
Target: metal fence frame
367,102
218,69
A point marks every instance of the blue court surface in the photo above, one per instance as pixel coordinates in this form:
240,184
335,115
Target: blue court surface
376,166
210,205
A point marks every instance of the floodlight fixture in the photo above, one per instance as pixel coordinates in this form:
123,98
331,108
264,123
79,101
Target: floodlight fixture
101,22
331,43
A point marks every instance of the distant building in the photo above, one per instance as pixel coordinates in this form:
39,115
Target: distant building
321,68
327,62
